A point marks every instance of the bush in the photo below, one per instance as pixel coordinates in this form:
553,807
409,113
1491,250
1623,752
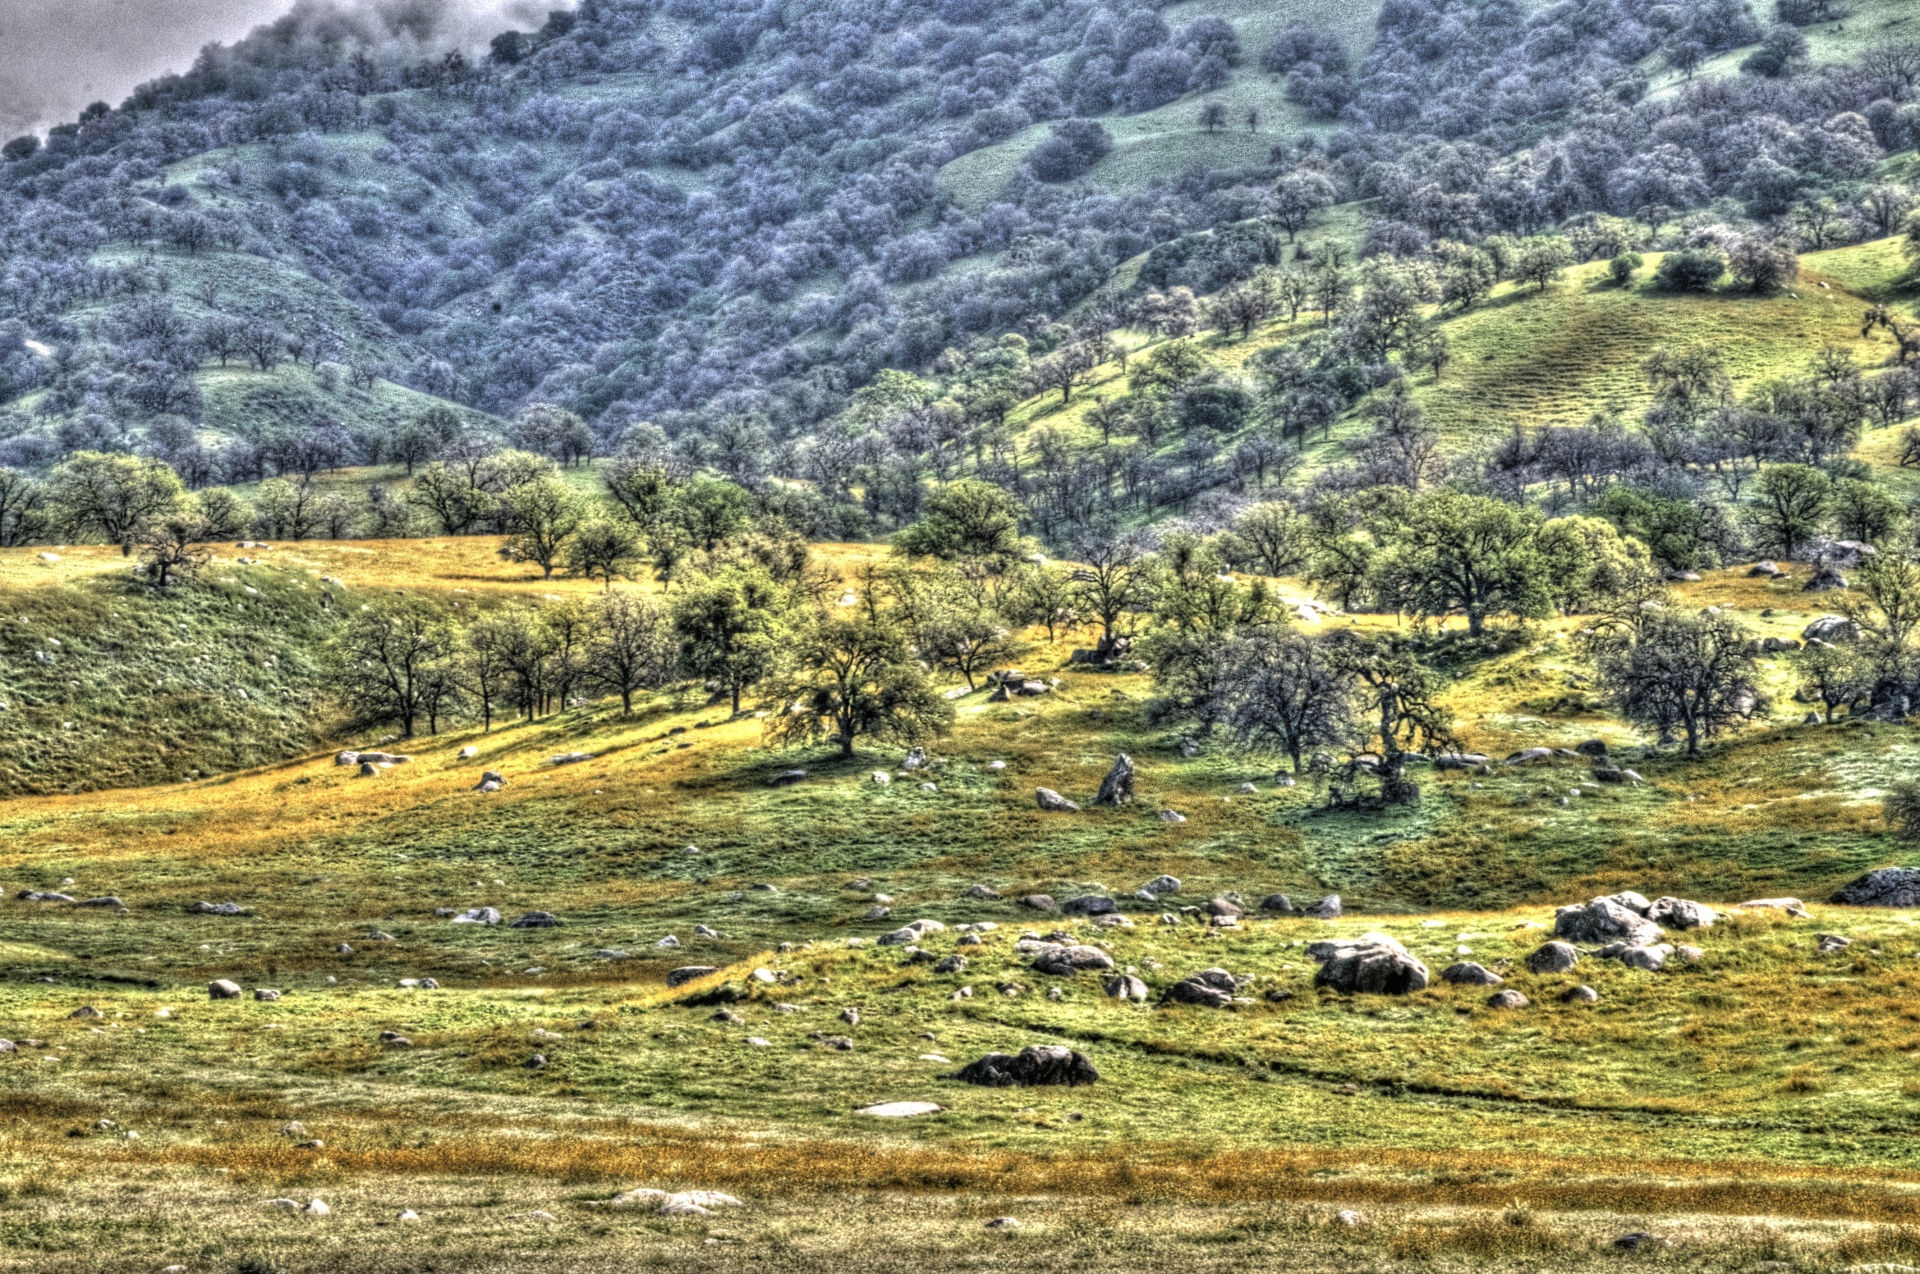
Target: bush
1902,809
1623,267
1075,146
1692,269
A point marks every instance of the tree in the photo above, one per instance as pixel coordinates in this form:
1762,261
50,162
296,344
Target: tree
645,491
1542,261
603,549
1468,279
711,511
1398,698
1297,198
1691,673
1451,553
968,520
633,648
1764,265
1213,116
854,677
1623,267
956,624
1834,676
1115,582
483,665
287,509
1044,594
111,496
176,543
1790,504
1862,510
389,659
1885,205
23,508
1692,269
542,518
1897,60
1065,369
1288,695
729,628
1271,538
419,438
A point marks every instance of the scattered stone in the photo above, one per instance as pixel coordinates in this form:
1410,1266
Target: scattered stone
1248,789
1090,905
1039,902
1834,629
223,989
952,964
1791,906
1223,908
1172,816
265,994
107,901
1374,964
986,893
87,1011
213,909
787,778
1279,904
916,759
37,895
1650,958
393,1039
1832,942
879,912
1327,908
1209,988
478,916
1065,960
996,765
1348,1217
881,778
1681,913
1581,995
1162,885
1048,799
1467,973
667,943
727,1017
1035,1066
1003,1223
1883,887
689,973
1507,1000
537,1062
850,1015
1528,755
1554,957
1602,921
316,1208
536,920
1127,987
1638,1239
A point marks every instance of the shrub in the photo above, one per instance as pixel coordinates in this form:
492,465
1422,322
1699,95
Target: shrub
1901,806
1692,269
1623,267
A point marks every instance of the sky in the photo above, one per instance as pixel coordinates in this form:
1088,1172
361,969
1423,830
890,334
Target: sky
56,56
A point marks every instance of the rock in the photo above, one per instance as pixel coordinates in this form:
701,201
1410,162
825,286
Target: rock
1764,569
850,1015
1189,748
393,1039
537,1062
1592,748
36,895
1507,1000
1327,908
570,758
107,901
1039,902
1581,995
1602,921
1832,942
726,1016
1638,1239
1126,987
1065,960
1114,920
701,931
1456,761
1681,913
1372,965
1048,799
1223,907
689,973
881,778
1826,579
667,943
1279,904
478,916
1636,903
469,752
368,770
86,1011
407,1217
1836,630
899,1109
1792,906
1348,1217
215,909
879,912
1090,905
1172,816
1778,645
1035,1066
1467,973
1210,988
1652,958
1554,957
265,994
996,765
1883,887
952,964
986,893
787,778
1689,955
1526,756
536,920
223,989
899,937
916,759
1006,1222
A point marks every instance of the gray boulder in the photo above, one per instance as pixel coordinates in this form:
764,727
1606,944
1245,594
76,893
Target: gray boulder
108,901
1048,799
1065,960
985,893
1090,905
1372,965
1209,988
689,973
1836,630
1224,907
1039,902
1636,903
1117,787
478,916
1681,913
1554,957
1162,885
787,778
1467,973
223,989
1034,1066
1327,908
1279,904
43,895
1883,887
915,759
536,920
1650,958
1602,921
1527,755
1507,1000
1127,987
1581,995
215,909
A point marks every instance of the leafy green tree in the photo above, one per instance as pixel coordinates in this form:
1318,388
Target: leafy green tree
112,497
603,549
968,520
1115,582
712,511
1397,700
1834,677
1541,261
1288,695
176,543
1589,566
730,629
390,659
1449,553
542,519
1790,506
853,676
1694,674
1468,279
956,624
1862,510
632,648
1271,538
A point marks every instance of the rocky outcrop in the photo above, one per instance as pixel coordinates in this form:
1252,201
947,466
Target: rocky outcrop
1370,965
1883,887
1034,1066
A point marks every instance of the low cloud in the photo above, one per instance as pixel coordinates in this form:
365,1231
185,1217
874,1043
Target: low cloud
57,56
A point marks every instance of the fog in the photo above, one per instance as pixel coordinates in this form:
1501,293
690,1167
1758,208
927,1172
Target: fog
56,56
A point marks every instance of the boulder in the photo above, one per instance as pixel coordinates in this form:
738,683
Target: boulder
1636,903
106,901
265,994
1764,569
1224,907
1162,885
223,989
1602,921
899,937
536,920
478,916
368,770
1826,579
1039,902
1172,816
985,893
1048,799
1650,958
1592,748
1467,973
915,759
1126,987
1835,630
689,973
1458,761
1117,788
1507,1000
1373,965
216,909
955,963
1090,905
1581,995
1034,1066
787,778
1527,755
1554,957
1791,906
40,895
881,778
1279,904
1681,913
1065,960
1327,908
1882,887
1209,988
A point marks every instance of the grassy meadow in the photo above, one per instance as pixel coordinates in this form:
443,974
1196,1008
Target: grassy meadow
1758,1105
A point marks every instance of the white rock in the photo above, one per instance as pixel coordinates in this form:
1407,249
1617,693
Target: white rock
316,1208
899,1109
